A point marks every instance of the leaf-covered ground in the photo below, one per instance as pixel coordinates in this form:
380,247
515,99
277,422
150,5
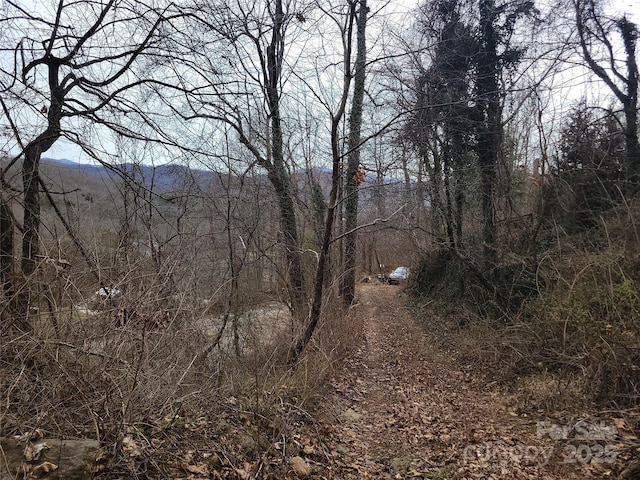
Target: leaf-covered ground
402,409
399,408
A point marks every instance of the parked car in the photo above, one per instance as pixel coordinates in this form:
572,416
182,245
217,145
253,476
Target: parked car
400,274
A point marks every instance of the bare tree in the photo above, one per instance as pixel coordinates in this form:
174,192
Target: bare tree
67,67
354,174
595,36
248,99
345,23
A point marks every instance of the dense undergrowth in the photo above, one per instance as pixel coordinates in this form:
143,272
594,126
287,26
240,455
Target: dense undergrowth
559,323
159,408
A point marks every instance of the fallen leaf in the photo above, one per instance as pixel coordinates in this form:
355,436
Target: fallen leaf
39,471
130,447
623,429
200,469
35,434
245,472
102,461
300,467
619,423
33,451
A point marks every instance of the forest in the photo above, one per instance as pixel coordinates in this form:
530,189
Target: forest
196,197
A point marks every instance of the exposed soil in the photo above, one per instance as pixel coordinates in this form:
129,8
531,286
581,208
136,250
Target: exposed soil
402,409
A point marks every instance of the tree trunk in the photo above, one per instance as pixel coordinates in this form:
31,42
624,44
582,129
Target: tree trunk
436,202
277,172
288,226
6,249
318,285
448,214
31,186
31,203
458,175
348,283
490,131
31,167
629,33
321,270
631,141
586,12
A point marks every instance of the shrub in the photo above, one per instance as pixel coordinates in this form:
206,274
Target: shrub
496,293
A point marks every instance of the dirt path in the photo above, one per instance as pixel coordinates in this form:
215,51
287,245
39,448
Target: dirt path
402,409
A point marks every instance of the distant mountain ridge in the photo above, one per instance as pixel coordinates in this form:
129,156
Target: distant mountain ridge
63,161
178,177
162,176
82,167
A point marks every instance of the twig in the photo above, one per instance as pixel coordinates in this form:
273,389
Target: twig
76,241
371,224
87,352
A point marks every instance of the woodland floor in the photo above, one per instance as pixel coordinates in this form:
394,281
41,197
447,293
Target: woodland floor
401,408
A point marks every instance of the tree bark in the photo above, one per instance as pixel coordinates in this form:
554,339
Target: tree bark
352,181
585,12
6,248
490,131
277,173
321,270
31,167
629,33
31,203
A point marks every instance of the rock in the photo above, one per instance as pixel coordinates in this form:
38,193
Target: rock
71,457
300,467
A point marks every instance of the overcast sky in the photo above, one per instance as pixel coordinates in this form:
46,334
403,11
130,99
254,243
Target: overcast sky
631,8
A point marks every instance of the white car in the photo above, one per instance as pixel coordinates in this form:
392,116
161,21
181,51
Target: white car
400,274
